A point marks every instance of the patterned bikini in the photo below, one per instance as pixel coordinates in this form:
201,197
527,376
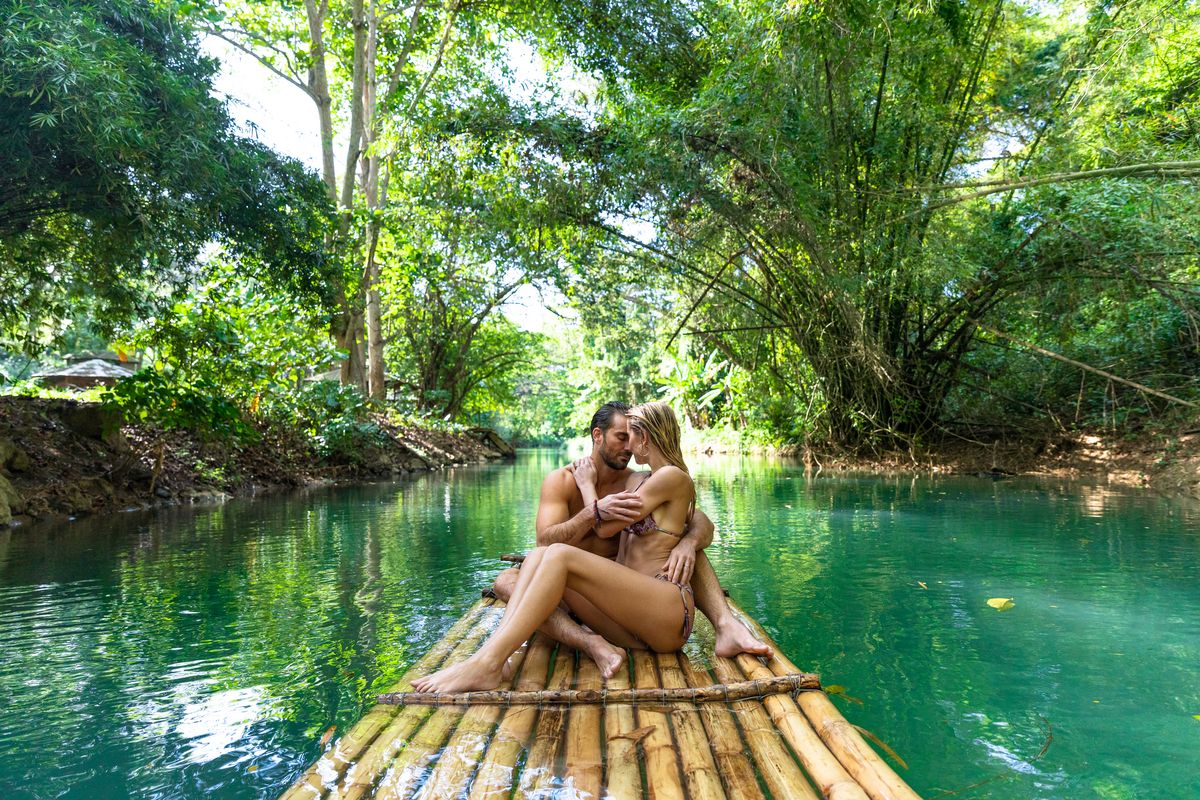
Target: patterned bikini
648,525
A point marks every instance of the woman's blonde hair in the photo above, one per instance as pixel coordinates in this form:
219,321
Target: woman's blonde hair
657,422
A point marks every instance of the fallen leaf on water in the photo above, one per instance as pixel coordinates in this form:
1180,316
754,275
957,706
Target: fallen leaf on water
922,584
1195,716
327,735
252,768
638,734
1001,603
841,692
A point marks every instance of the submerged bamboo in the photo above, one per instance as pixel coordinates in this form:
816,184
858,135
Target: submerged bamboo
775,763
729,751
699,768
622,775
822,766
742,690
543,751
585,769
370,767
662,770
331,766
875,776
460,757
494,781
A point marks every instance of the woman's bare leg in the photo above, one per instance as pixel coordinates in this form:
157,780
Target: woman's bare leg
650,607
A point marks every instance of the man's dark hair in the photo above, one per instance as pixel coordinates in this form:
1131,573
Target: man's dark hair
603,418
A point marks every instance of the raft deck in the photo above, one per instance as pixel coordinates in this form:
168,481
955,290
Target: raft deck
779,746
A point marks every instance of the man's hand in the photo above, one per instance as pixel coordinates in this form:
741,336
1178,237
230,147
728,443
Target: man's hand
681,562
623,506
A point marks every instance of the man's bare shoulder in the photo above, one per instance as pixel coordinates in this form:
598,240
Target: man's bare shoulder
560,482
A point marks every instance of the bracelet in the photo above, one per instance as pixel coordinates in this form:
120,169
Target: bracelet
596,510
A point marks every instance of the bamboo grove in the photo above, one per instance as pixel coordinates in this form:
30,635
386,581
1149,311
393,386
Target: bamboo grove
856,221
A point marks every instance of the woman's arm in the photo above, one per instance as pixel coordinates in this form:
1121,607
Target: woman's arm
668,483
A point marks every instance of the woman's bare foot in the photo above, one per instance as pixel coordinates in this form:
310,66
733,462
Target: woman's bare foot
734,638
472,675
608,657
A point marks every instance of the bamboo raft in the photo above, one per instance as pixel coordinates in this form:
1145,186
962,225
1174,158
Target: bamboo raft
788,742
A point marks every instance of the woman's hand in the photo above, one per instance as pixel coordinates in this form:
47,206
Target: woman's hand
681,563
585,474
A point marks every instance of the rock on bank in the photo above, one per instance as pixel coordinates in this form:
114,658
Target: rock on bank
64,458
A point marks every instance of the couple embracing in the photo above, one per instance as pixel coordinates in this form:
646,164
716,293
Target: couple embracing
622,550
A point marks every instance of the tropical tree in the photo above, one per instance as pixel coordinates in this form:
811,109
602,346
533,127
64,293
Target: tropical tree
120,168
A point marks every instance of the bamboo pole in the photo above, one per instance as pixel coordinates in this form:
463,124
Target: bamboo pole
494,780
622,775
719,693
695,755
585,768
538,775
778,768
330,767
370,767
460,757
830,777
728,748
874,774
663,781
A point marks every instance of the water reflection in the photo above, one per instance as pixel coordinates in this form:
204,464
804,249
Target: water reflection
199,651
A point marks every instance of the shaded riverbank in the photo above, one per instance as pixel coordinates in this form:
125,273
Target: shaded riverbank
62,458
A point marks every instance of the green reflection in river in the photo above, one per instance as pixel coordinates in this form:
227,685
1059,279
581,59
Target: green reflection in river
204,652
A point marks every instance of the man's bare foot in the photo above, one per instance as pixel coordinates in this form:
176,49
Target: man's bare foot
608,656
469,676
734,638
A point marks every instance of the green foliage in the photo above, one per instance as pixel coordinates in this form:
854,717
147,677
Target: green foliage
173,401
120,167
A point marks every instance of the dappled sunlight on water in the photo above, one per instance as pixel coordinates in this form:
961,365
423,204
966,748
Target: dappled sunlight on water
207,652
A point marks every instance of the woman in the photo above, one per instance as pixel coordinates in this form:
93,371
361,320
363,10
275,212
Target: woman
630,603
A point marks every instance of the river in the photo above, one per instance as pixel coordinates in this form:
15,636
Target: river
206,652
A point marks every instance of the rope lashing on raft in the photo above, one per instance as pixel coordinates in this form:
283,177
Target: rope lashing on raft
743,690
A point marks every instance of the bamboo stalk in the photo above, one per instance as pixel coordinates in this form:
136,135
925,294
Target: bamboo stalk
729,751
874,774
585,769
695,755
778,768
330,767
719,693
538,774
622,776
830,777
662,771
370,767
494,780
460,757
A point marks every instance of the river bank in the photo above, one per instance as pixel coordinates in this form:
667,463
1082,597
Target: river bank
1164,460
63,458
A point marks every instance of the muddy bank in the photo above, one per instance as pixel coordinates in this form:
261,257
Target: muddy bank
1165,460
62,458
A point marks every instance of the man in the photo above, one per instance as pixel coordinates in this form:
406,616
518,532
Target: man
562,518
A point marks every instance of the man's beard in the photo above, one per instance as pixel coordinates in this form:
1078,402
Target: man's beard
618,462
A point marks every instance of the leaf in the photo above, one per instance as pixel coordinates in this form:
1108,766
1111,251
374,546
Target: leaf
252,768
1195,716
841,692
922,584
637,734
327,735
1001,603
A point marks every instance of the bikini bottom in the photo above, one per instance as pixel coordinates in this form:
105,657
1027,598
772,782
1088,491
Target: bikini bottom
688,612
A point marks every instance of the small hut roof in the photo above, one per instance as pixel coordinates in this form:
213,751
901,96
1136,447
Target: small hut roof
92,368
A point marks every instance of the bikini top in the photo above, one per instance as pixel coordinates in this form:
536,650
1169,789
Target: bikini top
647,523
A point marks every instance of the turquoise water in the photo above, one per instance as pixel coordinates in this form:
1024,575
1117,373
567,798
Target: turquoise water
205,652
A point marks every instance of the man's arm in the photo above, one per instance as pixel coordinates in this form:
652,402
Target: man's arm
682,560
555,525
